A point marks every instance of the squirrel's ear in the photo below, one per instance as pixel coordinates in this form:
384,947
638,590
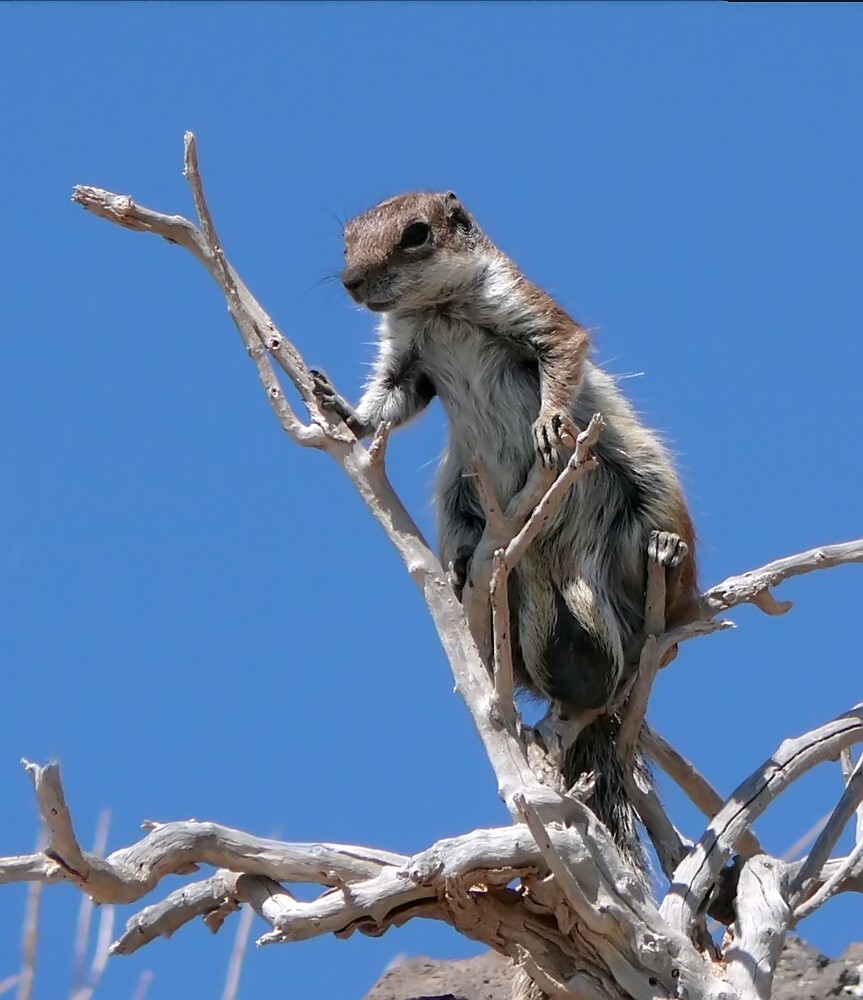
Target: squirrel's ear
456,211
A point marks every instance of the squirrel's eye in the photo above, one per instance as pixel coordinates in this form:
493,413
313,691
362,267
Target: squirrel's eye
415,235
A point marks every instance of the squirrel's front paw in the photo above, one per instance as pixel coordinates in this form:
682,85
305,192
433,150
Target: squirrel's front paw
329,400
323,389
553,432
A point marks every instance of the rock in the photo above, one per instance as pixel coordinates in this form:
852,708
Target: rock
803,974
486,977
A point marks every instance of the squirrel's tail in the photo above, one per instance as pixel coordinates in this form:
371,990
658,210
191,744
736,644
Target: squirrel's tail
595,749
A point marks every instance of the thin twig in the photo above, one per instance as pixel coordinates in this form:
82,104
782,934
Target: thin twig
667,841
847,762
581,462
504,685
654,601
62,843
694,630
378,447
558,867
800,845
208,227
250,321
702,794
144,981
539,480
31,930
85,911
649,662
238,954
832,885
827,839
82,936
100,953
636,705
488,500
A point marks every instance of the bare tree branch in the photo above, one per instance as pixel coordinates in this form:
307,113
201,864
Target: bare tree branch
514,530
675,636
85,913
670,846
703,795
633,980
491,857
123,211
754,587
31,933
759,930
700,869
238,953
581,462
636,705
456,880
654,601
800,845
847,762
177,848
100,954
144,981
657,644
504,685
832,885
495,519
164,918
370,890
829,836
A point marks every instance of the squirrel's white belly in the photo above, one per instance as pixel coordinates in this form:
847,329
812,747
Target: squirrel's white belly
491,399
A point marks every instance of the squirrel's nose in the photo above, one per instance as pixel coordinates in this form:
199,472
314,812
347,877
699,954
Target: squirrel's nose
353,279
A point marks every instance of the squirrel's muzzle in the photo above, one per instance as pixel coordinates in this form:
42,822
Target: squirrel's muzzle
354,280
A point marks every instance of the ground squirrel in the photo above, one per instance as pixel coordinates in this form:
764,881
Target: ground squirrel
461,322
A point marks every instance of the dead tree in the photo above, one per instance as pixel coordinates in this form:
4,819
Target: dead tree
551,890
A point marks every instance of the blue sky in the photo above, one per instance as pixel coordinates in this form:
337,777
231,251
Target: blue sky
201,619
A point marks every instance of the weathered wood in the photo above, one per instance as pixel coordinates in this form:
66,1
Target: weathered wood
826,840
698,873
754,586
758,933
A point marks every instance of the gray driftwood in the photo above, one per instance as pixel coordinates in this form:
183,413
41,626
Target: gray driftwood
579,923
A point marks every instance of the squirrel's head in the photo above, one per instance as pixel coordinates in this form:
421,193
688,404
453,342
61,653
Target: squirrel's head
409,251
